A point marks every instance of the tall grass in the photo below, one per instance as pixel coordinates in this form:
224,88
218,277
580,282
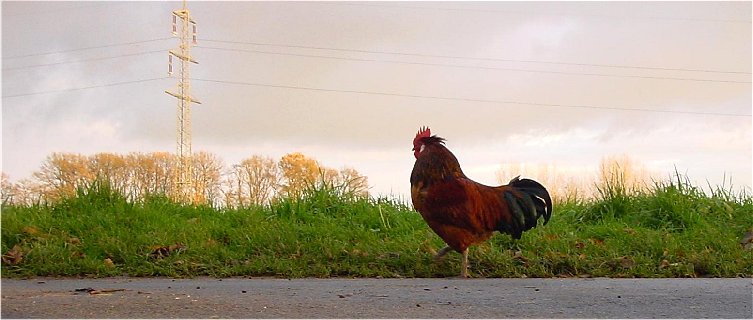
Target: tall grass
672,229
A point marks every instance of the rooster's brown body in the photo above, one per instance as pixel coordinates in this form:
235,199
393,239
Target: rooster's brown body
463,212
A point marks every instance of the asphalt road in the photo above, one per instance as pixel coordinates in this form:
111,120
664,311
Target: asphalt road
376,298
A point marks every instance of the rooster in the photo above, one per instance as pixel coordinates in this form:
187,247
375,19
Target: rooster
463,212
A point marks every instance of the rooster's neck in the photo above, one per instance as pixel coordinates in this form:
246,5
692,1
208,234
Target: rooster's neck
435,164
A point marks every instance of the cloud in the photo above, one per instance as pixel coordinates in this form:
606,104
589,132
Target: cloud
544,34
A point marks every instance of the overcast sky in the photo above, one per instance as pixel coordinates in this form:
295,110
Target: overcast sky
349,83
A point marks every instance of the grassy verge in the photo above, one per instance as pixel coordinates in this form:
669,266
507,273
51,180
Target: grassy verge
675,230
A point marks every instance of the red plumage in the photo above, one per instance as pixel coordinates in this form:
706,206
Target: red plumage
463,212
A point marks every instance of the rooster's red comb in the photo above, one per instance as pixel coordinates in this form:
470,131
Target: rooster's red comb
423,132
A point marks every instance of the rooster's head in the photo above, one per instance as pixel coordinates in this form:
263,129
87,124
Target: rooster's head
418,144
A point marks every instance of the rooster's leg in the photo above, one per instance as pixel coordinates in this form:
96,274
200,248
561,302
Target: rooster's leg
442,252
464,270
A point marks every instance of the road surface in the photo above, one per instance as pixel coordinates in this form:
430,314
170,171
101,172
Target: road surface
376,298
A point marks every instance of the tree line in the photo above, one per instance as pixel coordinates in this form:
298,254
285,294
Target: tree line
256,180
581,183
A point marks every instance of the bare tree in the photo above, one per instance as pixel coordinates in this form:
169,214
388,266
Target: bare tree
6,188
260,178
207,168
114,169
62,174
152,173
623,172
352,182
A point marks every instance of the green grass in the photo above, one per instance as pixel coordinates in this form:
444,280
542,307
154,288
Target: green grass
674,230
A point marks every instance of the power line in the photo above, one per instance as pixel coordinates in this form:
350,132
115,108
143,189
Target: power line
56,11
85,48
391,53
475,100
477,58
80,61
543,13
476,67
82,88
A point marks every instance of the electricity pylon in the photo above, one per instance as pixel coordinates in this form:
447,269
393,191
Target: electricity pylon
184,189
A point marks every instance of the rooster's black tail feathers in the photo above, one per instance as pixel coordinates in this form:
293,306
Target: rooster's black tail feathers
527,205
